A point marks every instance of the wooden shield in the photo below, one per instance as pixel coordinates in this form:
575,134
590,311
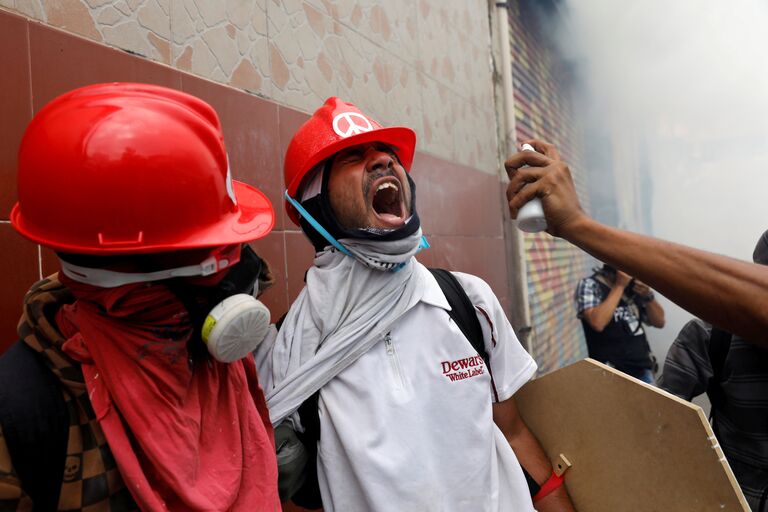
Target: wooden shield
632,446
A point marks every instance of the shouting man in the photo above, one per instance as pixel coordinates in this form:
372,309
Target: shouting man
411,417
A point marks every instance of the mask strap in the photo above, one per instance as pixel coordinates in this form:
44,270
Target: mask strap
320,229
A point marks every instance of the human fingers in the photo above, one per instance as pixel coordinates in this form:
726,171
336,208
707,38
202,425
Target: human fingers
521,178
642,288
544,148
517,199
622,277
525,158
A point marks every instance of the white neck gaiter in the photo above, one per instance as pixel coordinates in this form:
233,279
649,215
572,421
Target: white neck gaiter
347,305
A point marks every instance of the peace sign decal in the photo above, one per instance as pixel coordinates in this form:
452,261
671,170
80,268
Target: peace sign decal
351,123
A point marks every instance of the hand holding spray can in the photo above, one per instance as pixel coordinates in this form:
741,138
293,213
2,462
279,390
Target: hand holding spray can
531,218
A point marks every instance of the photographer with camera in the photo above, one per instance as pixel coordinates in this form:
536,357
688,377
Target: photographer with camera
612,307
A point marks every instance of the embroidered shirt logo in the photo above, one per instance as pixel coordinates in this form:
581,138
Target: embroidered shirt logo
465,368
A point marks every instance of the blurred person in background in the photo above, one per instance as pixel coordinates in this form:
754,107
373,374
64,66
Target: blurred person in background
613,307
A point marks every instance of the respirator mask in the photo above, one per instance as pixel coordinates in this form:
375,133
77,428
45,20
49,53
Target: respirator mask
227,317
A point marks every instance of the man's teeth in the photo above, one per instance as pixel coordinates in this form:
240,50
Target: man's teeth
387,184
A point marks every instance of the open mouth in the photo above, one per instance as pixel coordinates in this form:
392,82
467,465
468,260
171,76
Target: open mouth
387,201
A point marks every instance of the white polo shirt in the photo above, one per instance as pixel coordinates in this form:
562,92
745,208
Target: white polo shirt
409,425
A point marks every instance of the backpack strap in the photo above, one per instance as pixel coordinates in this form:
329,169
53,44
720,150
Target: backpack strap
719,345
462,310
35,423
463,313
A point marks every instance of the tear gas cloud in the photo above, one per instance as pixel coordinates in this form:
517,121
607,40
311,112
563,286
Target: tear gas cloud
686,83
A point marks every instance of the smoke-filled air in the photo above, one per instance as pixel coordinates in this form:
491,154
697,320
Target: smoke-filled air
682,88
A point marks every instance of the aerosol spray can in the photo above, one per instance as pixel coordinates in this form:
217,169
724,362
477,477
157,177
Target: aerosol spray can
531,218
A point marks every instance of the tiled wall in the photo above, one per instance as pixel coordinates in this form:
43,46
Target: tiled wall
460,205
423,63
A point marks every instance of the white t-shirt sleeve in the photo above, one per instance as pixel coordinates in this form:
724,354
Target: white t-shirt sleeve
511,365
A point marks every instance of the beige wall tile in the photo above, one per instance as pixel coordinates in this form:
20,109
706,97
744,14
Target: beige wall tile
73,16
156,18
423,64
224,41
316,56
32,8
128,35
109,16
142,27
454,41
391,25
438,113
223,48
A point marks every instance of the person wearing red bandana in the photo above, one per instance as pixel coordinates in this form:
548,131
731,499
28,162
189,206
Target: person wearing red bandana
129,387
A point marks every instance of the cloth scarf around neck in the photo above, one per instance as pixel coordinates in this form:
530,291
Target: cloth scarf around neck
347,305
185,435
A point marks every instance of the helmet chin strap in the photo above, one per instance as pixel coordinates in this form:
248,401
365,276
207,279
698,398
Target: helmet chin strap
111,279
325,234
320,229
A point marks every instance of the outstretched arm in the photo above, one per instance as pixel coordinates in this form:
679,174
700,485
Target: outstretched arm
729,293
530,454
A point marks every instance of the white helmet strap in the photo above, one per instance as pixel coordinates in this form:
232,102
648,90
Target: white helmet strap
112,279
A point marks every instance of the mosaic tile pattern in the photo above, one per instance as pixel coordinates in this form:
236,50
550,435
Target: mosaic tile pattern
425,64
138,26
225,41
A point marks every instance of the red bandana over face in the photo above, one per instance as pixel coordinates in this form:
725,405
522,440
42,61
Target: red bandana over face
185,435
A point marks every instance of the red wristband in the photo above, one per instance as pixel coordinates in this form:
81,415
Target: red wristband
550,485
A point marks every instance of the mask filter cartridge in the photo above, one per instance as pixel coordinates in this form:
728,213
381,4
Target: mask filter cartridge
235,327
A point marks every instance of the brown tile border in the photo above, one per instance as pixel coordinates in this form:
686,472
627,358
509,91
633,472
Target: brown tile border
61,62
15,103
454,199
251,136
20,264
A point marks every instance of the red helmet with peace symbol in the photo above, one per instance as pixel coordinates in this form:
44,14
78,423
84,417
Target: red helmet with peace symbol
335,126
126,168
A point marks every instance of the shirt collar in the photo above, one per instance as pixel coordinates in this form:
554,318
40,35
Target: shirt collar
433,295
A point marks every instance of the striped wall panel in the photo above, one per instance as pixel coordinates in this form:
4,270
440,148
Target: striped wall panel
543,110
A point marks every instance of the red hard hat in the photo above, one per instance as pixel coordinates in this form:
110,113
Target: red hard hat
127,168
335,126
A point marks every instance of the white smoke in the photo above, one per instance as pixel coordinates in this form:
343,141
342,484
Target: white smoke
690,78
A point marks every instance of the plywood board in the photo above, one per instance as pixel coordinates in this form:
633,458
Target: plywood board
633,447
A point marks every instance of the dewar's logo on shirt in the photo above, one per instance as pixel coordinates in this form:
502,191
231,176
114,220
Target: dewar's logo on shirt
461,369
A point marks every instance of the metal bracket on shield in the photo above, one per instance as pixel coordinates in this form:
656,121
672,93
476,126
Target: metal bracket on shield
561,465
